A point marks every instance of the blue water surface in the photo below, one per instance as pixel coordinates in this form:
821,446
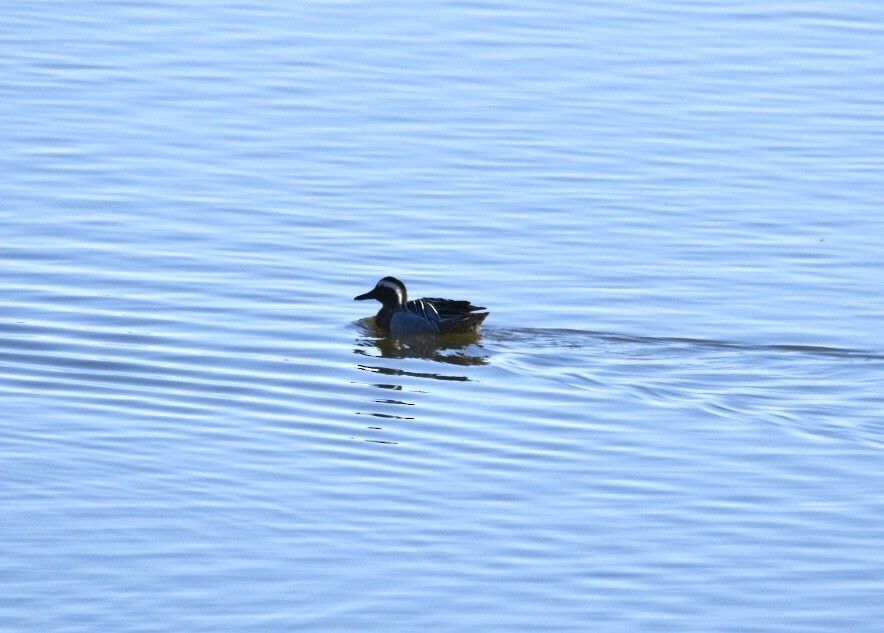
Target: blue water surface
670,421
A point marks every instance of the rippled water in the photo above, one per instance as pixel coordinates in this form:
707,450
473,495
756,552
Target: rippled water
670,421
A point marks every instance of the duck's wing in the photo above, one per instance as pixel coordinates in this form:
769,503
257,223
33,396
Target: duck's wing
450,309
416,317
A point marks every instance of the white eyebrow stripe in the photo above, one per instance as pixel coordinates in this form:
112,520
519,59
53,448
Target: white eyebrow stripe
392,286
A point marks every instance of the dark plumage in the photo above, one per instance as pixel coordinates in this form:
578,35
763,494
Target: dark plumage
398,315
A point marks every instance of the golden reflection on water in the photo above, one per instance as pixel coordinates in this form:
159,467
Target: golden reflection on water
451,349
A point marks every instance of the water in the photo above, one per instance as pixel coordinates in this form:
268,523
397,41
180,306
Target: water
671,420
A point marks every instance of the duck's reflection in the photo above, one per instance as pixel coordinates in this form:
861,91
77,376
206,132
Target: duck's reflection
377,349
389,371
451,349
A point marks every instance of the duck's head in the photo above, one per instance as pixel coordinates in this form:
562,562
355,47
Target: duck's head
389,291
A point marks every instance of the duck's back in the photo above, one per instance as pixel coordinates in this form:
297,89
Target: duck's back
450,309
457,317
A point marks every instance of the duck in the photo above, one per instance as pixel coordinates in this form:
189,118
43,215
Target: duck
398,315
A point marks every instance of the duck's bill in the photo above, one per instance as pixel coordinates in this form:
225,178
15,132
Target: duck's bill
368,295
